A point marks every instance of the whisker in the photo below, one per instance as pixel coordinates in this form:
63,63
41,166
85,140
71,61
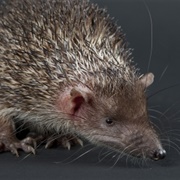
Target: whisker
107,153
151,35
163,89
105,156
119,157
175,146
77,152
83,154
165,69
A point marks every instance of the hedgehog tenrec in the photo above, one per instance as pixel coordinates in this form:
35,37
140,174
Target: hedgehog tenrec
65,68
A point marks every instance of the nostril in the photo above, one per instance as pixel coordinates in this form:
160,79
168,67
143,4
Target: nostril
159,154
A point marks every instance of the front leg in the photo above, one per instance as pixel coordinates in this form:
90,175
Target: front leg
9,141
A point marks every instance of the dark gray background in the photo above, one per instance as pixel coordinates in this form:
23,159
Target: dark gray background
133,16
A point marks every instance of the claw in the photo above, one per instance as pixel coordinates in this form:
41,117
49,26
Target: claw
49,144
80,142
66,141
13,150
26,148
33,150
68,145
30,141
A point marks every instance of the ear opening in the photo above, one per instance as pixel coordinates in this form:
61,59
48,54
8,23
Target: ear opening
78,97
147,79
77,101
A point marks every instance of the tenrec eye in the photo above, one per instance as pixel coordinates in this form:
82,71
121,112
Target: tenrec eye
109,121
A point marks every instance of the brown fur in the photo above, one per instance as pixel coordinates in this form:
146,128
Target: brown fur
65,67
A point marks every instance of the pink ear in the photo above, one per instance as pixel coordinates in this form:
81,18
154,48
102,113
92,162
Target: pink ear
78,97
72,100
77,100
147,79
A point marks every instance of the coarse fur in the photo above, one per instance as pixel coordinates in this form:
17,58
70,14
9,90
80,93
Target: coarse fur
65,67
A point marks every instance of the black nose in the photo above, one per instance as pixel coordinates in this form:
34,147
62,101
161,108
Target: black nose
159,154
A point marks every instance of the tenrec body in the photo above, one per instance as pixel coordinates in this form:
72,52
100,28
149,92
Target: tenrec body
65,68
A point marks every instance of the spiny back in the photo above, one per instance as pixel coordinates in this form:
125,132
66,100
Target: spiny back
47,44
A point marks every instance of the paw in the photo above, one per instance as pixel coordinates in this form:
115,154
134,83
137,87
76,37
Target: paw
66,141
12,144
